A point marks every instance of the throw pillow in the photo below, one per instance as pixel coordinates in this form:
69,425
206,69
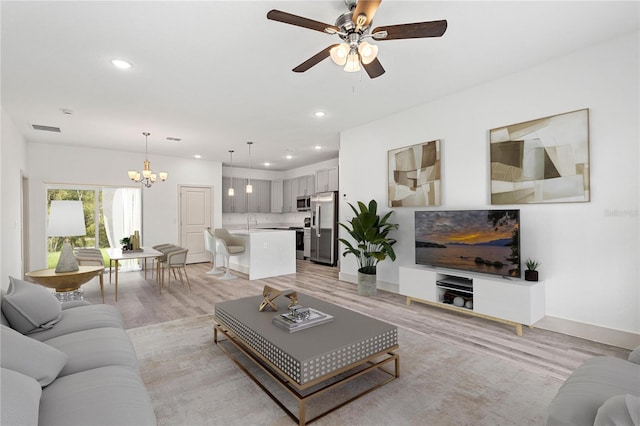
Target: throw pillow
30,357
20,398
30,307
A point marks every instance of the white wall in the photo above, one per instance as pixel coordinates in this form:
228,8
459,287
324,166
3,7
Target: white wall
12,166
589,251
72,165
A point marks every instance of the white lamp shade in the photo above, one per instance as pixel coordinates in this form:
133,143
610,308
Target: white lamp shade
231,192
368,52
249,189
66,219
353,63
339,53
163,176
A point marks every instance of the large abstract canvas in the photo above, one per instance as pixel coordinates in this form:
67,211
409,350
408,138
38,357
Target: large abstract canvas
414,175
541,161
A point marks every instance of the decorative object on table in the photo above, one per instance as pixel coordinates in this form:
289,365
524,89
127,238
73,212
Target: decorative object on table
147,177
414,175
293,299
373,243
66,219
269,295
531,273
299,318
126,243
541,161
135,240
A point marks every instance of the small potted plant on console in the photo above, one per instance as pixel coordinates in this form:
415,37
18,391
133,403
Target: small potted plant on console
531,273
373,243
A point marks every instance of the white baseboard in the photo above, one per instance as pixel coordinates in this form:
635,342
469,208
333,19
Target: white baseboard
595,333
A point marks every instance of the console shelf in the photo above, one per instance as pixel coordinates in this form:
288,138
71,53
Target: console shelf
509,301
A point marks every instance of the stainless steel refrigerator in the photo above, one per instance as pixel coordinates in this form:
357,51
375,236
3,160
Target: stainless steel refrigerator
324,228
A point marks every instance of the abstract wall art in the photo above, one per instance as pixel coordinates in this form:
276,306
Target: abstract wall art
541,161
414,175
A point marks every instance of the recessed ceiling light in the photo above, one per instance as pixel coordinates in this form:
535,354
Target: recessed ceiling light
122,64
320,114
267,164
289,157
318,147
197,156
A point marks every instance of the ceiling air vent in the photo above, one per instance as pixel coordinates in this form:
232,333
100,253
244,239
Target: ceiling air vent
174,139
46,128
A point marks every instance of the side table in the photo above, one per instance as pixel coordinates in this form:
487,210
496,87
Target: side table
67,284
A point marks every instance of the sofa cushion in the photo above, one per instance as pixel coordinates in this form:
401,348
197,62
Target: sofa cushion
95,348
20,398
112,395
28,356
619,410
589,386
82,318
30,307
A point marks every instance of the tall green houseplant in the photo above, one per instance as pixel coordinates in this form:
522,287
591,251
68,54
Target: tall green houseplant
373,244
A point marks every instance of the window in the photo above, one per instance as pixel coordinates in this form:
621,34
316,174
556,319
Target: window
109,213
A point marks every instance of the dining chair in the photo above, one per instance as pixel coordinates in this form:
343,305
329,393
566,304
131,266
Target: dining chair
228,245
176,261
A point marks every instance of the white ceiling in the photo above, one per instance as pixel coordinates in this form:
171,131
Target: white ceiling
218,73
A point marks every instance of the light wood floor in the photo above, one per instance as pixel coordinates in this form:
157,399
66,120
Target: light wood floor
551,353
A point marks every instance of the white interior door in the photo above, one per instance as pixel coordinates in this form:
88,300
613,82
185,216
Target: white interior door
195,216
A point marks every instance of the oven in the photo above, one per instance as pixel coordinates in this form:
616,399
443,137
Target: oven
299,242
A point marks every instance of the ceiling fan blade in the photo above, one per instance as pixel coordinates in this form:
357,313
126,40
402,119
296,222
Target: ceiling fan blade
374,68
415,30
315,59
299,21
367,8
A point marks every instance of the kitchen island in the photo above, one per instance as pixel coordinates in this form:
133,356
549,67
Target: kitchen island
268,253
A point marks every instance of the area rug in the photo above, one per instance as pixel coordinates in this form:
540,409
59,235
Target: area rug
192,382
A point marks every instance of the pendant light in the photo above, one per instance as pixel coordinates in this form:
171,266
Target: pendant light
231,190
249,186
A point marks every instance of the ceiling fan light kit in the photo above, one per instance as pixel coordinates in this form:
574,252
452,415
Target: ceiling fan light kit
353,28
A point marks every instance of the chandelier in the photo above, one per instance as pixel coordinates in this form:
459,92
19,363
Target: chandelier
147,177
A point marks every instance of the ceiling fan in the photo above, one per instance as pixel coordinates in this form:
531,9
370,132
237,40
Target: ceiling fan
354,27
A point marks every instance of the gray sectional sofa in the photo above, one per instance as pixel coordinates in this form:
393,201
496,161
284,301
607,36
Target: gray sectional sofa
603,391
67,364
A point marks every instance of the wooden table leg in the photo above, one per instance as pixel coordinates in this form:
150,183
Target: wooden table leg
102,285
158,274
117,267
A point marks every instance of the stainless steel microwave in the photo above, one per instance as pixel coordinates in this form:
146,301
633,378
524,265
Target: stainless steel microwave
303,203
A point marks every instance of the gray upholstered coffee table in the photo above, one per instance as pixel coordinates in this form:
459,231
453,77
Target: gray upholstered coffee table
313,361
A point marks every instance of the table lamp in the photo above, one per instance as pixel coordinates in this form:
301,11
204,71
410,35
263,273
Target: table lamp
66,219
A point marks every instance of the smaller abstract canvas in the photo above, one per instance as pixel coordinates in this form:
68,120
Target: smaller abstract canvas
414,175
541,161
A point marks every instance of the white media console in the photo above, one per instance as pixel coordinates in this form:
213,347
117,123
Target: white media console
507,300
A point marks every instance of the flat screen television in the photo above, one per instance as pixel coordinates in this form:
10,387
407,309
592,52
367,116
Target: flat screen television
485,241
